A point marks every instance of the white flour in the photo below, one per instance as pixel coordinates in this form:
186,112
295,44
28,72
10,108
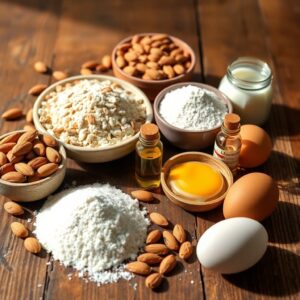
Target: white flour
192,108
93,228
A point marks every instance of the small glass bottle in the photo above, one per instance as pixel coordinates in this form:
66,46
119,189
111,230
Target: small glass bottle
148,160
228,142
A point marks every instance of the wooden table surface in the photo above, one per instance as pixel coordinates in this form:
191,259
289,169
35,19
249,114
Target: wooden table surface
64,34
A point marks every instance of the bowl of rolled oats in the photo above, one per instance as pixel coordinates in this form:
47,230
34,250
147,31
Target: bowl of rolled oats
97,118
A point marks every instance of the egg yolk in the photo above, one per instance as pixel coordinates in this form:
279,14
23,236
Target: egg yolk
195,180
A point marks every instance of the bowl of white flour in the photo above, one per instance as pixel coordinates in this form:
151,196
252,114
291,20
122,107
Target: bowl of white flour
190,114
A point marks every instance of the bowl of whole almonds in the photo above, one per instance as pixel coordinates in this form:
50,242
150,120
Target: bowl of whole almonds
97,118
32,166
153,61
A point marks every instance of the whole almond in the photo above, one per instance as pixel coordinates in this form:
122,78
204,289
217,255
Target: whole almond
3,159
13,208
59,75
37,162
37,89
27,136
47,170
106,61
138,267
185,250
12,113
158,219
154,57
166,60
40,67
170,241
130,70
153,236
149,258
138,48
159,37
32,245
120,61
141,67
167,264
19,230
86,71
169,71
13,158
153,280
90,64
159,249
179,69
153,74
143,196
53,155
131,56
49,141
39,148
9,167
179,233
28,127
11,138
21,148
29,116
14,177
24,169
5,148
101,68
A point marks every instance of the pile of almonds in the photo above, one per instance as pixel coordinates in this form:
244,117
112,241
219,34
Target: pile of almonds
28,157
154,57
31,244
162,254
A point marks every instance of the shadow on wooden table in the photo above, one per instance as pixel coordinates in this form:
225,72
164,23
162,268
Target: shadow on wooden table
272,275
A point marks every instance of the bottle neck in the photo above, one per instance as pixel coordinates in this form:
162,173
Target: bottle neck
148,143
230,132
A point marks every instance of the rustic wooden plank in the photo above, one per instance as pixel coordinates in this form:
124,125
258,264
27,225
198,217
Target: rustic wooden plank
26,35
89,35
237,28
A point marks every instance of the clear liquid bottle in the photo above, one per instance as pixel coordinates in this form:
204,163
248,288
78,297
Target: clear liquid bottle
148,160
228,142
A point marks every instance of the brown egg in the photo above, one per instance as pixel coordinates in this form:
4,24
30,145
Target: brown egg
254,196
256,146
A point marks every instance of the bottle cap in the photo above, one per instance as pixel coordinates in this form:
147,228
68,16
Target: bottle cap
232,121
149,131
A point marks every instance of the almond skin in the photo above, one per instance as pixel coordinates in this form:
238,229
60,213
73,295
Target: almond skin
106,61
19,230
153,236
143,196
21,148
28,127
53,155
59,75
37,162
90,64
86,71
153,280
179,233
49,141
9,167
11,138
12,113
14,159
5,148
24,169
37,89
186,250
47,170
158,219
39,148
13,208
170,241
40,67
27,136
149,258
167,264
32,245
139,268
14,177
159,249
3,159
29,116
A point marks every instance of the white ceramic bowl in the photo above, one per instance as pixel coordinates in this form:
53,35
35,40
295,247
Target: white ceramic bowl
99,154
28,192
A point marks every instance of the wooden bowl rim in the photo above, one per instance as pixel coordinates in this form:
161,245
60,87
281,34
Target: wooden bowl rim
62,166
154,82
192,202
40,127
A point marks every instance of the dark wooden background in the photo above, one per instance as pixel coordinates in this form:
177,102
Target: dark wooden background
64,34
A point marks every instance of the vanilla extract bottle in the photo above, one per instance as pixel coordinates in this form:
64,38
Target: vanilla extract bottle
228,142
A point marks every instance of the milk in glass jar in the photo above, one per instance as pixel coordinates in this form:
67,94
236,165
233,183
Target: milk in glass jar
248,84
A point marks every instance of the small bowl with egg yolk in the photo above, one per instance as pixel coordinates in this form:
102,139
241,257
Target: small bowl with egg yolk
196,181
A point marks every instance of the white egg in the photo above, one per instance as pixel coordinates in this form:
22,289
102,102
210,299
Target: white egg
232,245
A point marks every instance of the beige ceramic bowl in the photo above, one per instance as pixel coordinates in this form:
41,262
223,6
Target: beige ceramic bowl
196,205
183,138
153,87
99,154
28,192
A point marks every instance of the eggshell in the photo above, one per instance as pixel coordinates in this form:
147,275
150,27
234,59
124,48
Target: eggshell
232,245
256,146
254,196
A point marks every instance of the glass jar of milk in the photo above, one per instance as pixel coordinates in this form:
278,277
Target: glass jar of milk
248,84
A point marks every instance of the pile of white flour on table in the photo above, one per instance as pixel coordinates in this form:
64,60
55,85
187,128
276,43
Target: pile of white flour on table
192,108
94,229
